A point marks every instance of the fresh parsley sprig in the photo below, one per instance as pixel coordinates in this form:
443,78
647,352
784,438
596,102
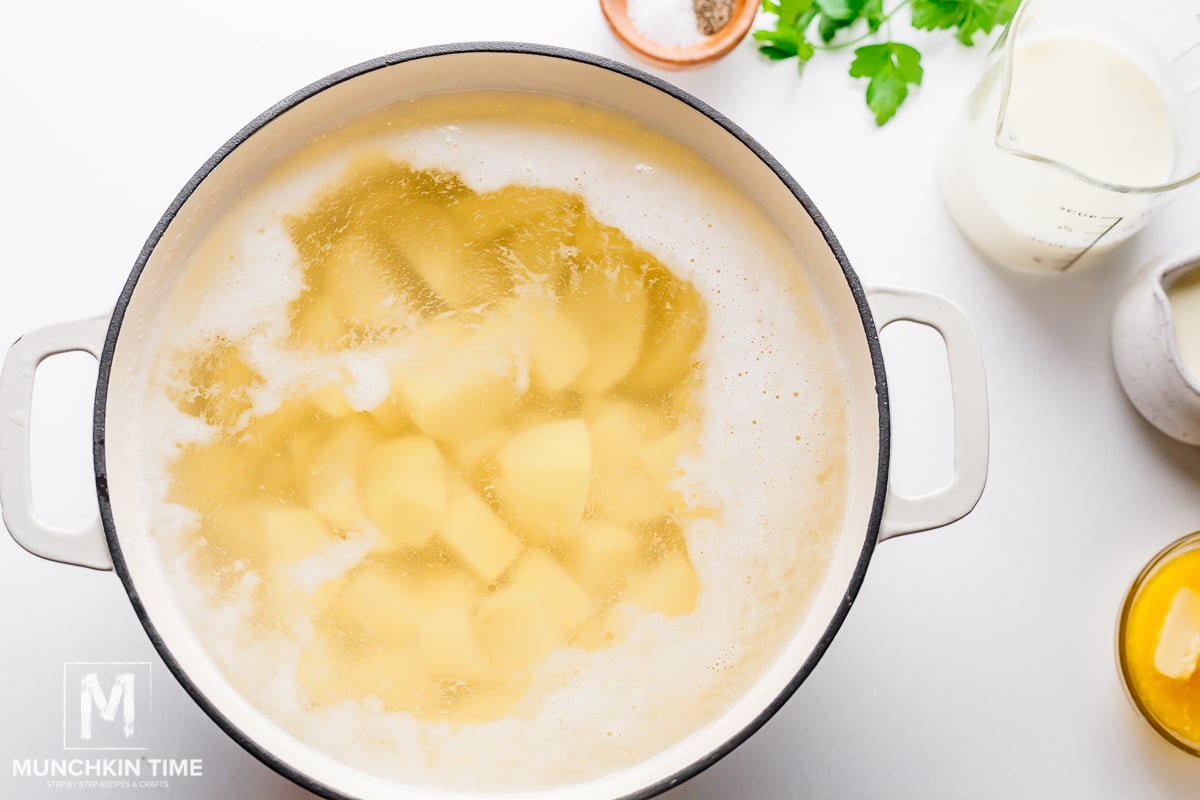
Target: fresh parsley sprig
890,66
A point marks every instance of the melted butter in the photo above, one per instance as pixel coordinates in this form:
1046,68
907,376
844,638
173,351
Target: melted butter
508,492
1168,688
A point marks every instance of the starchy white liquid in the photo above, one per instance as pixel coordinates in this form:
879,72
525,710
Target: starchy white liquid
1075,100
1184,295
773,450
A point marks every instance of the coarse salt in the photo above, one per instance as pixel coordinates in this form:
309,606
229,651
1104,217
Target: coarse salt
669,22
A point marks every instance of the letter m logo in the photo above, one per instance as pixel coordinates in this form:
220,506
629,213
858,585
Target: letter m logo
106,706
92,696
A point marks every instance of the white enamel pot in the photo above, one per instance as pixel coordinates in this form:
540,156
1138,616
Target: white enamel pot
119,539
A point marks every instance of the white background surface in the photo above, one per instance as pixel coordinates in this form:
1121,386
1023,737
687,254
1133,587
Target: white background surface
978,661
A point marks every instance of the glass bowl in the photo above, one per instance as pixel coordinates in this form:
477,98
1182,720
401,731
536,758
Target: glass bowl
1137,685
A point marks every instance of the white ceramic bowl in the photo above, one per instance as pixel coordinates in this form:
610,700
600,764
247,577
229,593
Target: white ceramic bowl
1146,350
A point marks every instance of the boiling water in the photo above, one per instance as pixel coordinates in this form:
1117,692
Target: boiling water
509,524
1076,100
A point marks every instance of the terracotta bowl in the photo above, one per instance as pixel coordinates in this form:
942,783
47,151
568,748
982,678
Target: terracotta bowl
669,57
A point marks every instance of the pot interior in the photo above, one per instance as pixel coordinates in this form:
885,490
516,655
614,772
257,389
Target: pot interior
349,96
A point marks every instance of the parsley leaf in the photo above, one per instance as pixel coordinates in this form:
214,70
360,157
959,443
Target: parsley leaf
969,16
872,10
788,38
891,66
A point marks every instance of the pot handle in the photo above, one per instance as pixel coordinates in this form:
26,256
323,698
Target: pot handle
968,388
86,547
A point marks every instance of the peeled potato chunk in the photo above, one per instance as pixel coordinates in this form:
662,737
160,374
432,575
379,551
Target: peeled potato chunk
263,533
544,474
470,454
516,629
332,481
446,599
540,575
477,534
209,475
328,674
660,457
393,676
359,282
557,347
607,299
293,534
674,330
466,385
624,491
605,629
331,400
669,587
405,489
602,552
514,208
378,605
560,351
430,242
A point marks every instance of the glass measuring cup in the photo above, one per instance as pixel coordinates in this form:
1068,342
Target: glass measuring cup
1086,120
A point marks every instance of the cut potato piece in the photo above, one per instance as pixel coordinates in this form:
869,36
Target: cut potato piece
447,599
608,301
477,534
328,674
377,604
404,486
517,629
607,628
317,323
544,475
447,647
292,534
207,476
515,208
540,575
660,458
669,587
431,244
232,529
470,454
359,282
394,677
602,552
262,533
332,482
623,490
560,351
674,330
467,383
322,671
293,602
331,400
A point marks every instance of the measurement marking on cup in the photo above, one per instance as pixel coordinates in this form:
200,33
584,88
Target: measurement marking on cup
1115,222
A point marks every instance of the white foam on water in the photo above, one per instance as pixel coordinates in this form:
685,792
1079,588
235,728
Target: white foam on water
770,446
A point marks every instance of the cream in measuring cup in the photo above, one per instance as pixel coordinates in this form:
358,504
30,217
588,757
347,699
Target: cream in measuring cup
1075,135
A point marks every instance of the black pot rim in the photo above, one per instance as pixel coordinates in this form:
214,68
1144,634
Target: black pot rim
548,51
